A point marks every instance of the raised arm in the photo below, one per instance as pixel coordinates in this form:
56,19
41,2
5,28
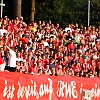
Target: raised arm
8,47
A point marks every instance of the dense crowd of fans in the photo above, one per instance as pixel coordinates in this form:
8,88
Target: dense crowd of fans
45,48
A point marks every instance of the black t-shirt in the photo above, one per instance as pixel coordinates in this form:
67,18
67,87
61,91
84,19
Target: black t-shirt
68,38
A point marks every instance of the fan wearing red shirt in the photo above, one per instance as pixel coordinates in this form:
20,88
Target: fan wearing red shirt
65,61
76,67
71,46
40,45
8,28
47,58
44,61
14,26
98,62
27,30
59,56
34,69
56,43
24,39
85,66
58,63
19,27
70,57
25,67
80,59
60,35
30,62
92,65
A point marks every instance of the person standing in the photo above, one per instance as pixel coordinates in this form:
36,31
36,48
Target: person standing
11,64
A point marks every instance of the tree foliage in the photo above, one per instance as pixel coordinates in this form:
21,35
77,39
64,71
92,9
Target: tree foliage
58,11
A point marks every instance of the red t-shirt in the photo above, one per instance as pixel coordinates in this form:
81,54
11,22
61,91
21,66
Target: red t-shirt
40,45
44,62
81,60
71,46
24,40
76,69
91,67
1,61
85,67
27,31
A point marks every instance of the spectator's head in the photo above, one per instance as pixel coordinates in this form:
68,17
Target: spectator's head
21,70
25,56
18,54
21,18
20,43
7,54
90,73
35,65
77,74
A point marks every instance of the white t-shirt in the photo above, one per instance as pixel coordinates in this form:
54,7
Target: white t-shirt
68,29
92,37
2,31
19,59
39,35
12,59
45,43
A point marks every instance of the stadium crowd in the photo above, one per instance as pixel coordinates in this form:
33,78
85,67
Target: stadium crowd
45,48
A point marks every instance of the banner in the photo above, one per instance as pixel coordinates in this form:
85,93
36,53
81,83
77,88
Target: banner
16,86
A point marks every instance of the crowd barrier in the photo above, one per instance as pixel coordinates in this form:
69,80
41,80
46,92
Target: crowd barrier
16,86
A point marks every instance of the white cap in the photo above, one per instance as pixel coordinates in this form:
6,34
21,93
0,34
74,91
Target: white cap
21,17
